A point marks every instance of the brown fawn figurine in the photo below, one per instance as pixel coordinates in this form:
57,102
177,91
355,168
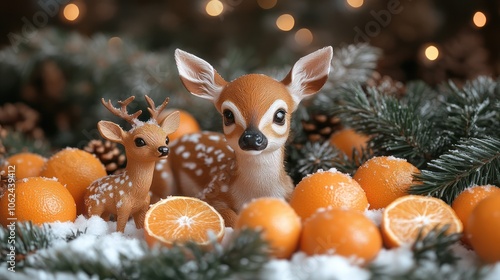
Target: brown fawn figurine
247,161
127,194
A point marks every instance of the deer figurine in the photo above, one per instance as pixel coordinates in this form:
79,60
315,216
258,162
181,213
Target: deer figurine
246,161
127,194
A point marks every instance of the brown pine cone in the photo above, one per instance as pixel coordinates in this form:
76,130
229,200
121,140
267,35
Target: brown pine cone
386,85
320,126
108,153
3,182
19,117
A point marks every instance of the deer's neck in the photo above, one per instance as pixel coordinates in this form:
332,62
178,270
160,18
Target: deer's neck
140,176
260,175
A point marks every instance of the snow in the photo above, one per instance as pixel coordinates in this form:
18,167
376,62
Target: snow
97,233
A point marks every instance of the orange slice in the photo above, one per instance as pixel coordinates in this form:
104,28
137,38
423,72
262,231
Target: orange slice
179,219
406,216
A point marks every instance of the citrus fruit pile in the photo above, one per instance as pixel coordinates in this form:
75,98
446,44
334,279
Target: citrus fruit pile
48,190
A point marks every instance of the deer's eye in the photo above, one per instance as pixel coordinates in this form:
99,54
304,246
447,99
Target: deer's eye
139,142
279,117
167,140
228,117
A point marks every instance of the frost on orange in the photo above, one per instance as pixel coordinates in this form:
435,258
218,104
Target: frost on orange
467,200
278,221
344,232
483,229
325,189
405,217
39,200
384,179
179,219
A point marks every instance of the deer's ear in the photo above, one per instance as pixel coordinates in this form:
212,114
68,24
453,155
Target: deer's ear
198,76
309,74
111,131
171,122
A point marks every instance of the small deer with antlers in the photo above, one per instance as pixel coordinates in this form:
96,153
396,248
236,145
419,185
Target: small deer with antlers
127,194
247,161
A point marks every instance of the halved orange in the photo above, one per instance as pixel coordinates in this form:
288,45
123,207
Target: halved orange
405,217
179,219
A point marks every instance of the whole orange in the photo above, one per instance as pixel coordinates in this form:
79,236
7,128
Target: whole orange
325,189
465,202
345,232
24,165
483,229
188,124
37,199
280,224
347,140
384,179
75,169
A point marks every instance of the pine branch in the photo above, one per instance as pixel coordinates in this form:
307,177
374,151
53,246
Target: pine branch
242,259
395,128
26,238
474,161
435,246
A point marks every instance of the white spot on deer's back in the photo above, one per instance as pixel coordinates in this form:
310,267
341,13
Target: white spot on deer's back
121,192
189,165
180,149
224,188
186,155
194,137
214,137
117,179
221,157
119,204
111,194
209,161
164,175
200,147
210,149
130,184
198,172
122,182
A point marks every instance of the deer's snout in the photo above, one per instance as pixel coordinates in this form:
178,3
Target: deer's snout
252,140
163,151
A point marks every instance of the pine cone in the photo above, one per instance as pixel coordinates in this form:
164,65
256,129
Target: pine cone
108,153
386,85
3,182
320,126
19,117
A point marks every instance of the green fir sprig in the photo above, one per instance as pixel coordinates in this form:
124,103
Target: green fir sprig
474,161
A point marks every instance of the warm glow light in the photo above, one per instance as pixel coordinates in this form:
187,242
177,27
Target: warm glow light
431,52
115,42
303,37
285,22
479,19
214,8
355,3
71,12
267,4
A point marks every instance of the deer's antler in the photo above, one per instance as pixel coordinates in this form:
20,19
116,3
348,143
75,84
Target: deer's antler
122,112
155,111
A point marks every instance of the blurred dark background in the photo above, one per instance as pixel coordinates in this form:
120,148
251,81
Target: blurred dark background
402,28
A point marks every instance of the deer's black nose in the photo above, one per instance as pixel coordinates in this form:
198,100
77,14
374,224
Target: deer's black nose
252,139
163,151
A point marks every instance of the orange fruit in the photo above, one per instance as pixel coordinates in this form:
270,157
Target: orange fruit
37,199
347,140
483,229
188,124
405,217
345,232
465,202
26,165
75,169
179,219
327,189
384,179
280,224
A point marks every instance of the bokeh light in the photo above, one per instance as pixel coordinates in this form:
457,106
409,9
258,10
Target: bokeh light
285,22
431,52
355,3
304,37
214,8
267,4
71,12
479,19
